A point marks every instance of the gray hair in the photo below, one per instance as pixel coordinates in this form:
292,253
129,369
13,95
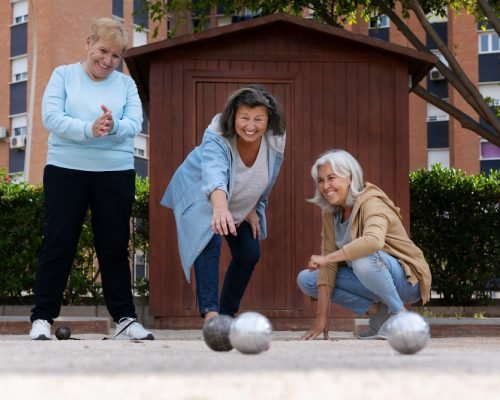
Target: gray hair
252,96
344,165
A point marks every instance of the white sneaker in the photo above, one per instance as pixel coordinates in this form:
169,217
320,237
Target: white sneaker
129,329
40,330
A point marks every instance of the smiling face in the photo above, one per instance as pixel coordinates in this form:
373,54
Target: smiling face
103,57
250,123
333,188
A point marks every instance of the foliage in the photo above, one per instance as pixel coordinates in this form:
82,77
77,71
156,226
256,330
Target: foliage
21,224
21,230
456,222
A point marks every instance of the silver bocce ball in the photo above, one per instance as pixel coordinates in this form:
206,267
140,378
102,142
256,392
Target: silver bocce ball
251,333
407,332
216,333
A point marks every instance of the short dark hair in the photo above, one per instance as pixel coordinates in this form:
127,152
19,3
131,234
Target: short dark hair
252,96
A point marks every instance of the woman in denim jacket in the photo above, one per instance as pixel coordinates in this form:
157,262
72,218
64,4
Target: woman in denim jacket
221,189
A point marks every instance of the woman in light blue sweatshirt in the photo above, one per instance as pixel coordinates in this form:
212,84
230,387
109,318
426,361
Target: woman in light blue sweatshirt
92,113
221,189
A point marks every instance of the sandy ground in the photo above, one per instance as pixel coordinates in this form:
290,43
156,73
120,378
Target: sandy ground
178,365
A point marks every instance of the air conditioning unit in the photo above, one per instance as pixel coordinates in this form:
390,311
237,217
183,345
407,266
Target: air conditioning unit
435,75
3,132
18,142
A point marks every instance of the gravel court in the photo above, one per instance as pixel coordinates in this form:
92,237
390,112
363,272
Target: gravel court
178,365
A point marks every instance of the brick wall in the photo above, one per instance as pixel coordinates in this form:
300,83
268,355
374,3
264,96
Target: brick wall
464,144
61,30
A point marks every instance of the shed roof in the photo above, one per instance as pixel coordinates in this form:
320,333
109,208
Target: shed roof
138,58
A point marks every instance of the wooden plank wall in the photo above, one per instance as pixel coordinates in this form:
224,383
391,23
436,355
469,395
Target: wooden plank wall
334,96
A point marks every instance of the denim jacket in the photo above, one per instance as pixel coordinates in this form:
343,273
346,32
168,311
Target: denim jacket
208,167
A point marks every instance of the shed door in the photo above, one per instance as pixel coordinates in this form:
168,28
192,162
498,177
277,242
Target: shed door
273,281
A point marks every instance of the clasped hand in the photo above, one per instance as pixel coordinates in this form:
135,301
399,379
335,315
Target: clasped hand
317,262
103,124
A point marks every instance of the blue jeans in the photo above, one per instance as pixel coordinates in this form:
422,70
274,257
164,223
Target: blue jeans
245,253
378,277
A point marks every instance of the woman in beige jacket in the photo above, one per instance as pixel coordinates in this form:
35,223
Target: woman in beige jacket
368,263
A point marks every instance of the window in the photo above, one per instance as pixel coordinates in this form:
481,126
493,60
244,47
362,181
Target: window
441,156
436,114
433,18
139,152
19,125
489,42
20,12
379,21
117,8
19,69
439,55
139,38
140,144
491,90
489,151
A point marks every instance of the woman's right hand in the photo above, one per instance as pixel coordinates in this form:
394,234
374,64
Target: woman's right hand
222,219
320,326
103,124
222,222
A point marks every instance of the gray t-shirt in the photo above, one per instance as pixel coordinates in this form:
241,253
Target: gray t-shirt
250,183
342,233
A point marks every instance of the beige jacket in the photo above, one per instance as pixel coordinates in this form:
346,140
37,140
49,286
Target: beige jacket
376,225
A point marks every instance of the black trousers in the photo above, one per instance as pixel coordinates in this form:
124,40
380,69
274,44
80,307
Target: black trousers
68,194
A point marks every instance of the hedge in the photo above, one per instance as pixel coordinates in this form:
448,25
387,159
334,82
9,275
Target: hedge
455,220
21,230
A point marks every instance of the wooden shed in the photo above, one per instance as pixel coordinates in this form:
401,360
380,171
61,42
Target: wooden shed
338,89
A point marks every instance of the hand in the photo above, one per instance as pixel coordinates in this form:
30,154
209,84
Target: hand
320,326
222,222
317,262
103,124
253,219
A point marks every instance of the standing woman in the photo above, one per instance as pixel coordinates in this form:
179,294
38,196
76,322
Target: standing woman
92,113
221,189
368,263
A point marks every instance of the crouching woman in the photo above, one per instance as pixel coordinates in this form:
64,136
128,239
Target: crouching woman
368,263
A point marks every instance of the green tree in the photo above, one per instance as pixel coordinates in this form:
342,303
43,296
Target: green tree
341,12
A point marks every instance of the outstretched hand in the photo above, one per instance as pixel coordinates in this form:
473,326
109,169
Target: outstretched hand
318,327
222,222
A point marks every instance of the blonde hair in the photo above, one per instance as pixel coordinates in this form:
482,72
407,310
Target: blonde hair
109,29
344,165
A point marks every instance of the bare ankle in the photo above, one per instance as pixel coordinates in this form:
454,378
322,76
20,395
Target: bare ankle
211,314
373,309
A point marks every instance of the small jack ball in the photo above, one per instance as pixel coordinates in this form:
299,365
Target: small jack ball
63,332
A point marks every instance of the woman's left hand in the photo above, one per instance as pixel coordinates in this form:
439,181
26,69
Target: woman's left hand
253,219
322,261
317,262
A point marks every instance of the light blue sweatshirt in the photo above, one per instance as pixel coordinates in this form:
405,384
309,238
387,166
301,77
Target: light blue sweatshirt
72,102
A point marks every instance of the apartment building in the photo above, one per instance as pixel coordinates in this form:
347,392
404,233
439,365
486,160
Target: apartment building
37,36
434,137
